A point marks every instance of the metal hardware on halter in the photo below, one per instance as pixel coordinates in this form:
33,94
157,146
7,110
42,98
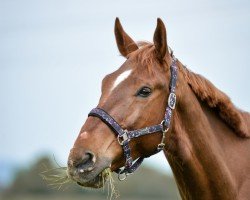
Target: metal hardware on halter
122,176
164,131
123,138
172,100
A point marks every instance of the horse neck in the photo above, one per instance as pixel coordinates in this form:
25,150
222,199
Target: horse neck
202,150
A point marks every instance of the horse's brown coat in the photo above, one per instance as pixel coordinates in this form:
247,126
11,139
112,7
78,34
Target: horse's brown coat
207,146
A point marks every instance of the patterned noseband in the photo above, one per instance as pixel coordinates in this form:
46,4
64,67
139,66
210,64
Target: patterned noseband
124,136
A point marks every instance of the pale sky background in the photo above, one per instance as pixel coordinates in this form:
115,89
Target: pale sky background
54,54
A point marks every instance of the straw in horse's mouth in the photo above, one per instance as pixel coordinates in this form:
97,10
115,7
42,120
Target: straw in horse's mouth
58,178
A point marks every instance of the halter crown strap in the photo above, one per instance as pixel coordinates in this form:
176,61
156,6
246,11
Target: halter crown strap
124,136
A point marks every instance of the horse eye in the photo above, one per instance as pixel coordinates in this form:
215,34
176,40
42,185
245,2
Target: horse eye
144,92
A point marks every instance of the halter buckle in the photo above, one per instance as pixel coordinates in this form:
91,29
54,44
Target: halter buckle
123,138
172,100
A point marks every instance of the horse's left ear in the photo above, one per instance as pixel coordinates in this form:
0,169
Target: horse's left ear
160,40
125,44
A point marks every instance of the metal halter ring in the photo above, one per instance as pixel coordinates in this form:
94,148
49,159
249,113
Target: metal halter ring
164,131
160,146
123,138
122,176
164,128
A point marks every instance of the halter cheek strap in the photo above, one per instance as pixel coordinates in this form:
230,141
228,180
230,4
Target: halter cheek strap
124,136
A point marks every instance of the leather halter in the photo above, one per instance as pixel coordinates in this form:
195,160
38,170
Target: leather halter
124,136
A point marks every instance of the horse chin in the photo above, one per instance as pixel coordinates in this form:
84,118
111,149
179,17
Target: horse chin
97,182
94,179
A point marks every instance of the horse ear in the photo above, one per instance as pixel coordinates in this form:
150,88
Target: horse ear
160,40
125,44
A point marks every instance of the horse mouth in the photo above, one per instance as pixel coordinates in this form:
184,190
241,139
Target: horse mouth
97,182
91,176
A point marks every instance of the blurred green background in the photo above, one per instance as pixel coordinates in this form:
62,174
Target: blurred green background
144,184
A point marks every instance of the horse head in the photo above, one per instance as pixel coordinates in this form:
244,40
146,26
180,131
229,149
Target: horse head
135,96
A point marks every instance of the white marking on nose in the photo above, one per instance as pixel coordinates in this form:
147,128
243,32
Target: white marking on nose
121,78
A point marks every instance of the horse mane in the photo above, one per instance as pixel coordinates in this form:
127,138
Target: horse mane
235,118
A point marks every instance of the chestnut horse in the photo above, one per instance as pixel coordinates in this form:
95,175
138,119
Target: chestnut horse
207,144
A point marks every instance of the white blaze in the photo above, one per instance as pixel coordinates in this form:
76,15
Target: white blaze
121,78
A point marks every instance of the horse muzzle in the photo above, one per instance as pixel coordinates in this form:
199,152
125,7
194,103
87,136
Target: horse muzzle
85,169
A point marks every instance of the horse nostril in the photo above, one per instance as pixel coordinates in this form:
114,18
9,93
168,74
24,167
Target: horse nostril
87,162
